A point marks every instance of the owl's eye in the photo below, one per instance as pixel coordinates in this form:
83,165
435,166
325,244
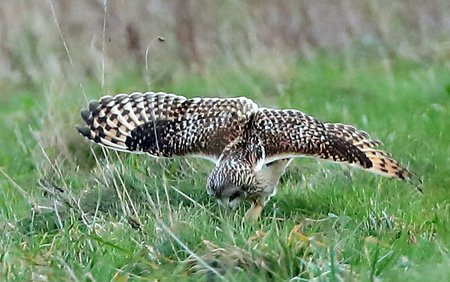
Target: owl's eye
235,195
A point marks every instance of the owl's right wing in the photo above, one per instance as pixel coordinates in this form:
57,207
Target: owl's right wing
166,125
291,133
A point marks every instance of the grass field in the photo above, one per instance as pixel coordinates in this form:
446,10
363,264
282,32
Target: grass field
72,211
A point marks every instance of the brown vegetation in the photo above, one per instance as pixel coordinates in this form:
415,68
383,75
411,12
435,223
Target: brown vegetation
199,31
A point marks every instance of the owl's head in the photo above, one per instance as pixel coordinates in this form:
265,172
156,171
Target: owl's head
233,179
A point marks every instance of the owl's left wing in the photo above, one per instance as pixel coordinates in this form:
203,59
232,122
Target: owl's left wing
166,125
291,133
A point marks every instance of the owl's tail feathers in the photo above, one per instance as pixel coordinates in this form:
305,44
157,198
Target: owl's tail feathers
110,121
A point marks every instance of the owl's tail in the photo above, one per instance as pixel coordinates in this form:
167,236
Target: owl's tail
380,162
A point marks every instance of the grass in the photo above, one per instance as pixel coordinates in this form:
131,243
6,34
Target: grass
72,211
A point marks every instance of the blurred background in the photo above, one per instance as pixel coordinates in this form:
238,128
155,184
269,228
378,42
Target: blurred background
103,35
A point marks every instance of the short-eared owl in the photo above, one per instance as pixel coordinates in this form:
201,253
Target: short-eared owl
251,146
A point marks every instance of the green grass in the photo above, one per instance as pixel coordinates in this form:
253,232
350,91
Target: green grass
132,217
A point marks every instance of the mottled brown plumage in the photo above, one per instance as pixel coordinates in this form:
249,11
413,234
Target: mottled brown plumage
166,125
251,146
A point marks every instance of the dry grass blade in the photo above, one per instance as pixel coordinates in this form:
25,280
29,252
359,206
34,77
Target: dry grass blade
193,255
223,259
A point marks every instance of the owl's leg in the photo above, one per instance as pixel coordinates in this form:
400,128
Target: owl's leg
254,212
268,177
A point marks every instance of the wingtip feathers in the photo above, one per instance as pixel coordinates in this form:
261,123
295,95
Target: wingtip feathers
85,115
93,105
83,130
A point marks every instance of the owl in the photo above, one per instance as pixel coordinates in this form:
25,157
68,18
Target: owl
251,146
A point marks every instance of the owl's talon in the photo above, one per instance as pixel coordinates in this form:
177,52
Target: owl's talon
254,212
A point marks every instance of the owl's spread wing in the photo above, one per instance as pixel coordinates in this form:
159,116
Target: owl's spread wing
166,125
291,133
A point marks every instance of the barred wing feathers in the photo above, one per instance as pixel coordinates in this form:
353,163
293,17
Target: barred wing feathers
291,133
166,125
